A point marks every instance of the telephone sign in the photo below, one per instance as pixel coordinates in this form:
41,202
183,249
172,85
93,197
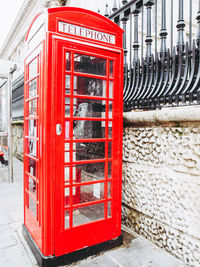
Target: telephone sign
73,104
85,32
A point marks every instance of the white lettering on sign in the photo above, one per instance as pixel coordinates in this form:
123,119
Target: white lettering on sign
85,32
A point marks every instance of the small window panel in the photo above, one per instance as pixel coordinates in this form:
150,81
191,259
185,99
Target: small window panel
33,88
111,68
67,214
89,193
88,214
90,151
33,108
89,86
90,64
91,172
88,129
32,131
89,108
68,61
32,206
33,68
109,209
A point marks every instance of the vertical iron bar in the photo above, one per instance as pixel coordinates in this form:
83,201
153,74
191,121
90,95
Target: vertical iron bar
163,30
142,34
156,33
131,41
114,6
198,22
180,26
190,25
136,40
124,22
148,38
106,11
172,25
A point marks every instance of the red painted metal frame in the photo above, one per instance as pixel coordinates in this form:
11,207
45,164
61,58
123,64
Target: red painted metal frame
47,228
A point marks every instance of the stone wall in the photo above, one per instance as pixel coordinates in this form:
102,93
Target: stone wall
17,139
161,180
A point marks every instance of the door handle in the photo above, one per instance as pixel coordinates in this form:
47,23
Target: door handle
58,129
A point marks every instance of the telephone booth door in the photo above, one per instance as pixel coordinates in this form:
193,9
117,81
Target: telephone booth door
87,147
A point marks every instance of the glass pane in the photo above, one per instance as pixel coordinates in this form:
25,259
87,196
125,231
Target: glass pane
67,129
33,69
33,88
32,167
32,186
67,192
111,68
68,61
32,147
110,115
67,146
88,214
90,172
75,173
89,108
110,149
67,84
75,192
89,86
89,193
85,129
32,128
109,189
67,106
67,156
32,205
90,150
89,64
67,174
110,129
110,89
66,219
110,169
33,108
109,210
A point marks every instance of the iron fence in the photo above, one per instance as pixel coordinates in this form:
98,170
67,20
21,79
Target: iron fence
157,71
18,99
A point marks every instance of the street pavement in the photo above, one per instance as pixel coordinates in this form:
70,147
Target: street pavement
14,251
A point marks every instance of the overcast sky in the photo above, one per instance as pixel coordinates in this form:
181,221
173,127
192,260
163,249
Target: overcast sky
8,13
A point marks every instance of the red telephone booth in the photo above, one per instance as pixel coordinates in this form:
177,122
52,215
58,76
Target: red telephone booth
72,132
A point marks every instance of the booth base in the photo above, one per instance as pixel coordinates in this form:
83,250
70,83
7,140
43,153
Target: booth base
52,261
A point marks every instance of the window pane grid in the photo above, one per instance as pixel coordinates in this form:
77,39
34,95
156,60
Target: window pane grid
32,137
75,146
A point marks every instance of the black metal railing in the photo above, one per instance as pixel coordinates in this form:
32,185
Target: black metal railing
157,71
18,99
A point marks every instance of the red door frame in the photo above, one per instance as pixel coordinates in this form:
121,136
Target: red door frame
76,238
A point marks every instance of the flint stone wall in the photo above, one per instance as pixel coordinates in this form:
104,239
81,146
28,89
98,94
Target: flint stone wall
17,139
161,179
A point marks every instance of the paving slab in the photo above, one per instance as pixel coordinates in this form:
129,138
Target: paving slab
135,252
14,251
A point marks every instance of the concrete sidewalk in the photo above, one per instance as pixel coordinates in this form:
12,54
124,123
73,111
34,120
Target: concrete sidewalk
14,252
